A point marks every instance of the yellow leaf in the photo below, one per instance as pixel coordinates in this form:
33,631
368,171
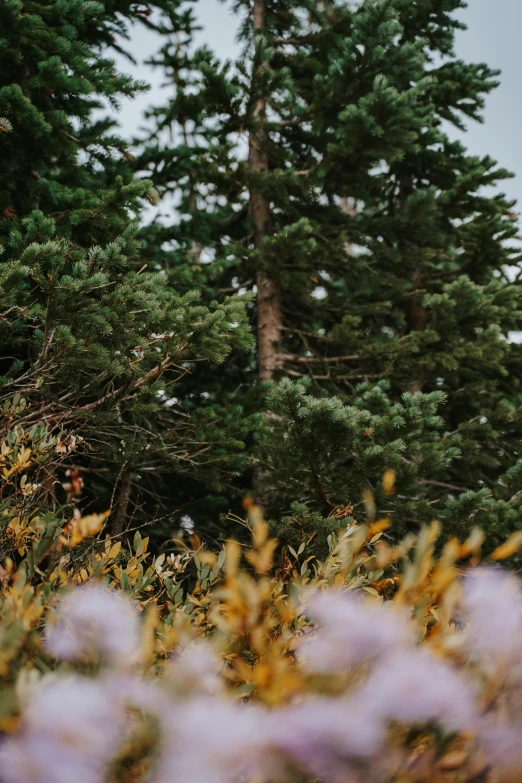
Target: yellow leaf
508,548
454,760
262,560
24,457
369,504
472,543
260,528
378,527
83,527
233,554
207,558
388,482
114,550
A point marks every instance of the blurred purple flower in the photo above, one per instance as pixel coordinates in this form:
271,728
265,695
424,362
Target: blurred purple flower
501,744
71,727
325,734
351,630
35,759
197,669
93,619
416,687
492,604
211,739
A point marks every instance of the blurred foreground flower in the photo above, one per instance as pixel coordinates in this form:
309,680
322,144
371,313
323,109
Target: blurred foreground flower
210,739
70,729
413,686
492,607
425,688
95,621
351,630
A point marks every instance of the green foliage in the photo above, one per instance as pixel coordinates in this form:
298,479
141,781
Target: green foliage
327,460
327,454
93,337
390,249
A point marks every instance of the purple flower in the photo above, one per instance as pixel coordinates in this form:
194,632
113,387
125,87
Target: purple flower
71,727
501,744
351,630
326,730
211,739
197,669
93,619
35,759
492,604
416,687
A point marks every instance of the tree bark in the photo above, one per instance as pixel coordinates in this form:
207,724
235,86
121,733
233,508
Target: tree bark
120,514
417,316
347,209
47,484
268,298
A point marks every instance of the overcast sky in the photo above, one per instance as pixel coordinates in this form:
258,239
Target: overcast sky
493,36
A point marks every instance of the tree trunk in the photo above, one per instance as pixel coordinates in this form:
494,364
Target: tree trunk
350,209
417,319
120,510
417,316
268,300
196,249
47,484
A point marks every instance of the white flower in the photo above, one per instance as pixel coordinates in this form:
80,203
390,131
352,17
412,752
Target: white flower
93,619
351,630
492,604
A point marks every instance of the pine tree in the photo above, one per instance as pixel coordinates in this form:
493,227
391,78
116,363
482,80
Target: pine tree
95,342
377,258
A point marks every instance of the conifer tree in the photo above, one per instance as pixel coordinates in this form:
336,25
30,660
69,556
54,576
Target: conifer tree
318,170
94,341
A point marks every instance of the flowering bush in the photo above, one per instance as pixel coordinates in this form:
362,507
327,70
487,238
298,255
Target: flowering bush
366,698
382,663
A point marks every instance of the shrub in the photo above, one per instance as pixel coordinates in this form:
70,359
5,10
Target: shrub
383,662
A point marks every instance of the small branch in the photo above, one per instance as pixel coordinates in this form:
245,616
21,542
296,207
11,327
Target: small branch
442,485
287,41
48,333
293,357
334,378
287,123
234,288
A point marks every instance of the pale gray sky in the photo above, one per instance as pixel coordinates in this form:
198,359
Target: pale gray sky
493,36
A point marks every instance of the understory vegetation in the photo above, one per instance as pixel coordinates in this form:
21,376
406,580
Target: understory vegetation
383,661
